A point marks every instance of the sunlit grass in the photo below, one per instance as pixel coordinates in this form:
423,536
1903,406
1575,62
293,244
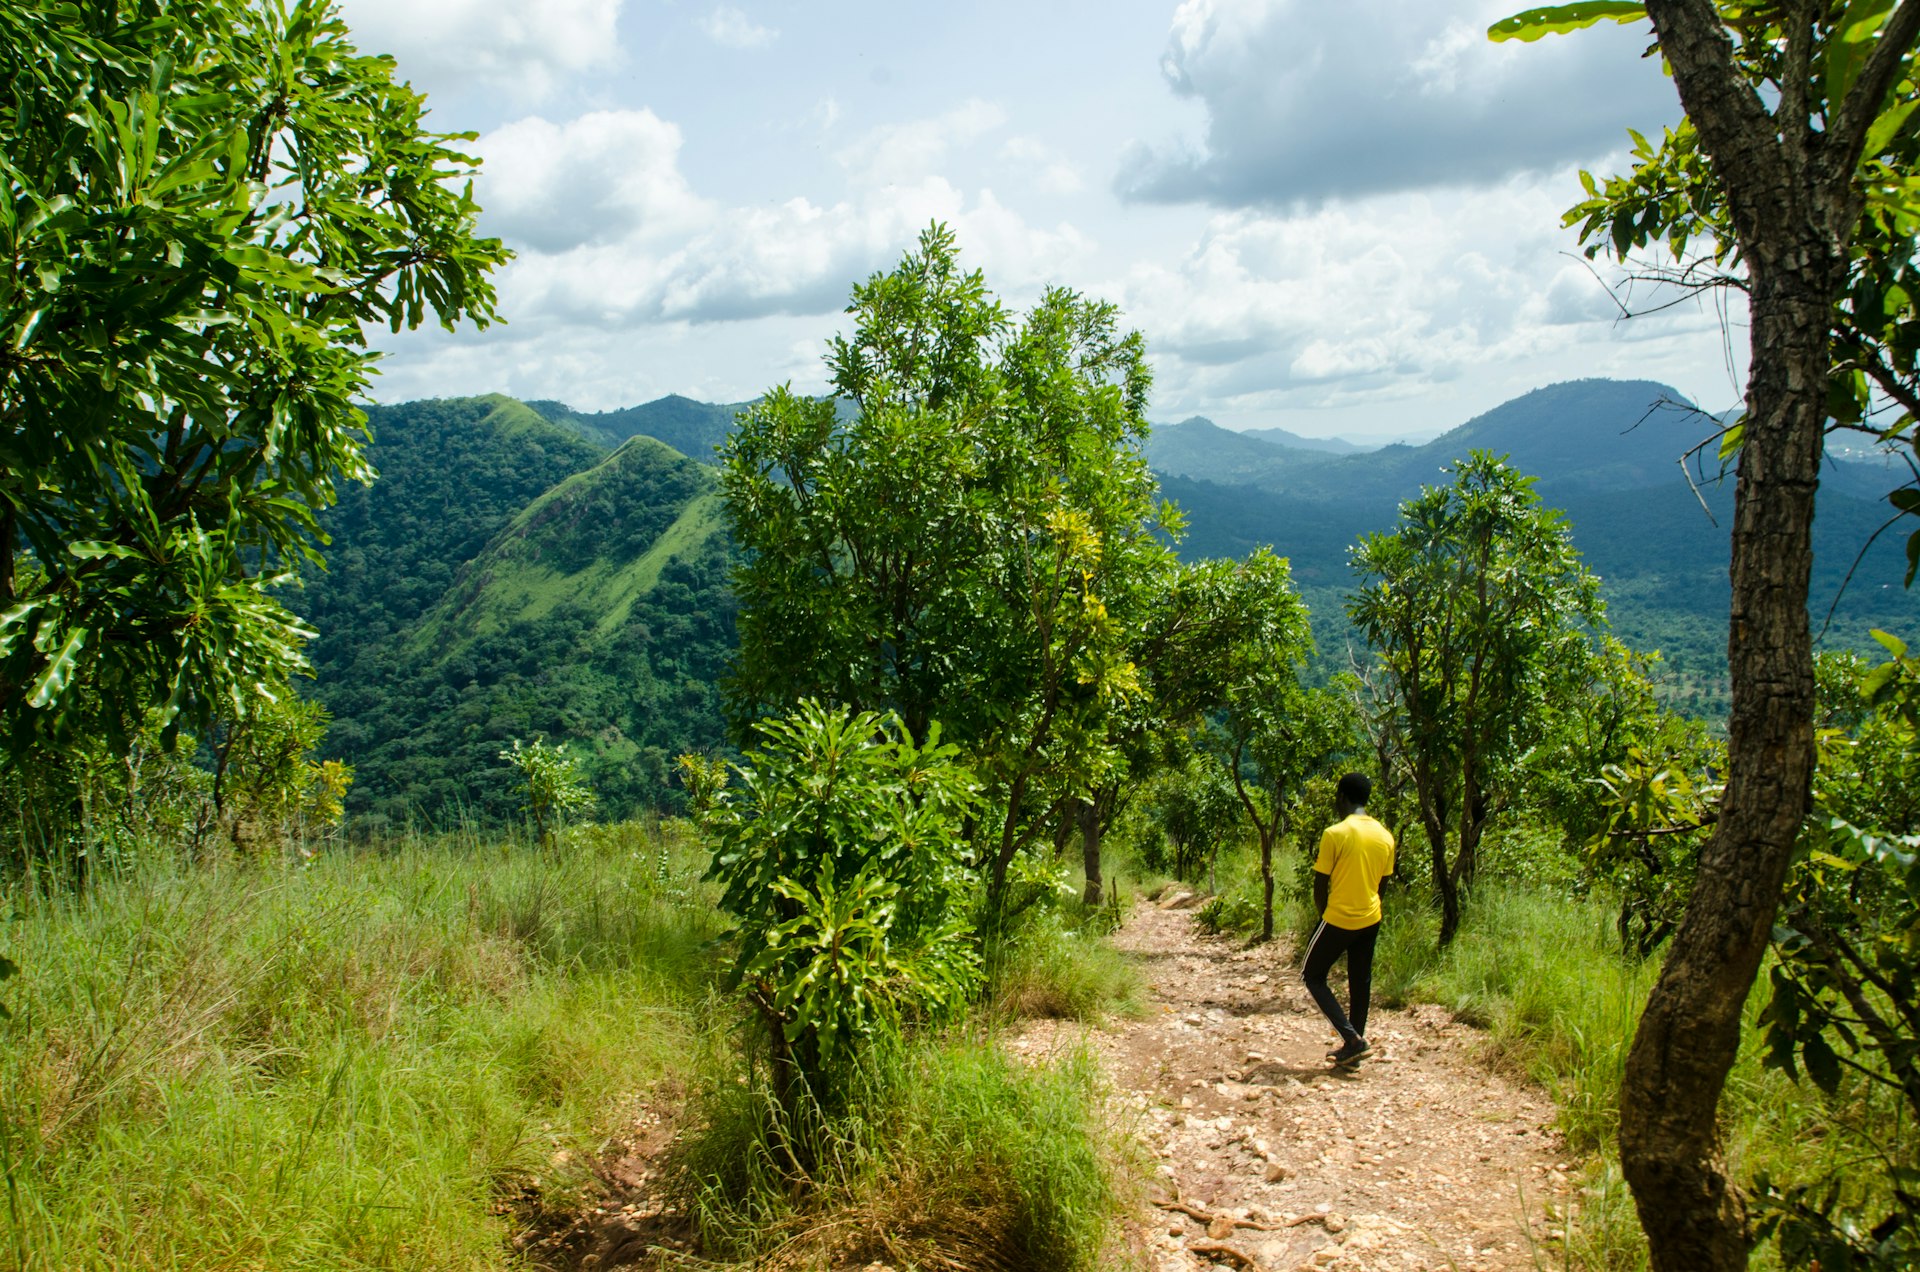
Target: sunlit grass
336,1066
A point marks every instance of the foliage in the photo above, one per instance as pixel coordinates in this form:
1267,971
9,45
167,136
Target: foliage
207,205
841,859
1847,980
974,545
1194,807
552,787
1659,814
1279,735
1476,605
447,627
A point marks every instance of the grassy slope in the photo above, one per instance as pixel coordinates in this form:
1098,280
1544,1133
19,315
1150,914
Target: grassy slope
533,567
361,1062
346,1066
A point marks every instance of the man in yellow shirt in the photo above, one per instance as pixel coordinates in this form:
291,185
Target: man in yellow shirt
1356,853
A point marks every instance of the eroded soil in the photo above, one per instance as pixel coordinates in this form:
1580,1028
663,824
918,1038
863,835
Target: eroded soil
1261,1155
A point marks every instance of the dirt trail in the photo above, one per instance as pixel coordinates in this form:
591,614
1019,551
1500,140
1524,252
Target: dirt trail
1418,1159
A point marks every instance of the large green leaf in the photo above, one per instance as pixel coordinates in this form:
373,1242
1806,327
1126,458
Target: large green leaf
1558,19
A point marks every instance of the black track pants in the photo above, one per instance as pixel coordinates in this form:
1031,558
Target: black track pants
1326,947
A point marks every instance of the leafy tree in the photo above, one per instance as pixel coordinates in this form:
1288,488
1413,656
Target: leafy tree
841,856
1846,980
1210,625
972,545
206,206
1796,165
266,788
1193,805
1278,735
1477,605
552,787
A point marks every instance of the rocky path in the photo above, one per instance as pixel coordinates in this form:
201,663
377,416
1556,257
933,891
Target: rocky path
1263,1157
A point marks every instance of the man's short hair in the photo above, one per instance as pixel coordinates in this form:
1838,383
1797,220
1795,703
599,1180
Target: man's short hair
1354,788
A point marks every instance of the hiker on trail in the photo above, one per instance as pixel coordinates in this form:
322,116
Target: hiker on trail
1356,853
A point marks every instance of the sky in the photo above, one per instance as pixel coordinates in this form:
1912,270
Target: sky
1342,220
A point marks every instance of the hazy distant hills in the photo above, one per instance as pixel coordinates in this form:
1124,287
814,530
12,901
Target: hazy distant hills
523,569
1606,453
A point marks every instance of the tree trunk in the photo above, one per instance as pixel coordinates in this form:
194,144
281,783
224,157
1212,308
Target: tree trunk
1790,190
1669,1134
1266,880
1088,815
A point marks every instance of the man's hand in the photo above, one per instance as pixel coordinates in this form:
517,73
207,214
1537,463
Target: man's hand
1321,883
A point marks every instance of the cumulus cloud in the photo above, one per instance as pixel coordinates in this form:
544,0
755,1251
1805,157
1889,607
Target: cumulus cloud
796,257
524,49
1042,165
1382,297
604,176
611,233
730,27
917,149
1307,101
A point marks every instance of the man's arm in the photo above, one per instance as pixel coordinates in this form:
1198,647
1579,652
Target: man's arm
1322,881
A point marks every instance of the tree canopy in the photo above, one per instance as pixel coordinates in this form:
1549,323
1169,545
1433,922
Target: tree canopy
973,542
1478,607
207,205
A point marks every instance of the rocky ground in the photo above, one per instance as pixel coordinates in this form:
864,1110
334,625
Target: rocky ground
1265,1157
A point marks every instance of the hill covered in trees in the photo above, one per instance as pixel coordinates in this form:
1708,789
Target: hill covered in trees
523,569
510,577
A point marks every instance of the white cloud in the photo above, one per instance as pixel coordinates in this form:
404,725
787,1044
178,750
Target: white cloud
1307,101
796,257
900,154
524,49
1042,165
605,176
732,28
1383,297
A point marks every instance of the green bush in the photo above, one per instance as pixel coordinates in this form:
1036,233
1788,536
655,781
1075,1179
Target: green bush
842,859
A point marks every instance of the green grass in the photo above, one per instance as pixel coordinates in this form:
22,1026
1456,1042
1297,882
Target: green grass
341,1066
957,1156
1056,963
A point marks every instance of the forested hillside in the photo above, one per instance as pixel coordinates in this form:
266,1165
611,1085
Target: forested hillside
506,578
1606,453
526,570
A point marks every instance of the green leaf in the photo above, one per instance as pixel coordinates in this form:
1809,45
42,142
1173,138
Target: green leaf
1561,18
1823,1066
53,679
1849,43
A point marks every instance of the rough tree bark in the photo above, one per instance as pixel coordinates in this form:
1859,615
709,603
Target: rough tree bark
1794,204
1087,813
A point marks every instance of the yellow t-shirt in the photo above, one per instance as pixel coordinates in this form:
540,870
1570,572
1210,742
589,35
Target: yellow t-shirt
1356,854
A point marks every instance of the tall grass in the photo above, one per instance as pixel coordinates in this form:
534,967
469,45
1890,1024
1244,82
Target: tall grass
955,1156
335,1066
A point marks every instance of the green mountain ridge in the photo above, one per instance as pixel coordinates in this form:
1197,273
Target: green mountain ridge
524,570
516,580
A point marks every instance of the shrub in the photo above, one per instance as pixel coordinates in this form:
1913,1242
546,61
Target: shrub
842,859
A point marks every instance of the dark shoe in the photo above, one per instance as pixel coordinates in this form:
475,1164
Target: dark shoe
1349,1053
